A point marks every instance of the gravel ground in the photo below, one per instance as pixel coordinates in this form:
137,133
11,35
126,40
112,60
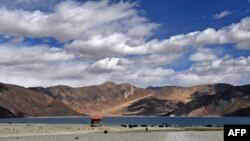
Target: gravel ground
128,136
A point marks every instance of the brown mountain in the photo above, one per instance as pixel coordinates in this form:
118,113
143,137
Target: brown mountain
234,101
125,99
16,101
107,99
208,100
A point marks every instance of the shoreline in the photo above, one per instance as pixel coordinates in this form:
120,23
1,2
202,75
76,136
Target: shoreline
17,130
83,132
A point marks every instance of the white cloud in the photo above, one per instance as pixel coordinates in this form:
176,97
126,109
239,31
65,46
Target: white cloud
99,46
110,64
203,54
45,66
105,29
109,41
155,60
243,45
16,55
222,14
225,70
73,20
38,65
233,34
154,73
98,29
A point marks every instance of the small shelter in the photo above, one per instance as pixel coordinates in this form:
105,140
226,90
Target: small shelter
96,121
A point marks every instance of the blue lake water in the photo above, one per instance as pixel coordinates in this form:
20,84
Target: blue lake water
184,121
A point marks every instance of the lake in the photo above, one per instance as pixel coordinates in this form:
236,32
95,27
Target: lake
183,121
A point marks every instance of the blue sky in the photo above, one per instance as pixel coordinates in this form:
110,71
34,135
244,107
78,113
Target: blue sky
142,42
182,16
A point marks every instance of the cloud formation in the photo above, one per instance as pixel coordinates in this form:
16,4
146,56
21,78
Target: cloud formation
203,54
17,55
74,20
224,70
104,41
222,14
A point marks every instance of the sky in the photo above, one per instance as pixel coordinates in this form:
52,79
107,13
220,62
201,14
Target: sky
143,42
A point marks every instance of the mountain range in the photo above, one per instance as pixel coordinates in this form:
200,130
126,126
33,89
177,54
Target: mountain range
125,99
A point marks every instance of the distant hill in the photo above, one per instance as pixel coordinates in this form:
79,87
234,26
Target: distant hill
16,101
125,99
108,98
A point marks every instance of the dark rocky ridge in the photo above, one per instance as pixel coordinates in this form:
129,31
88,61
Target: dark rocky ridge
5,113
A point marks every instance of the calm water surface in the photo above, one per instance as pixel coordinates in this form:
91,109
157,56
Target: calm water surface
184,121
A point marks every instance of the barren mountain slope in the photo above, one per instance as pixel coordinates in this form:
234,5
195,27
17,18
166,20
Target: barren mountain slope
125,99
24,102
97,98
234,101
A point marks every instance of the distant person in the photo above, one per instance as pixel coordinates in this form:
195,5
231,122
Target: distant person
105,132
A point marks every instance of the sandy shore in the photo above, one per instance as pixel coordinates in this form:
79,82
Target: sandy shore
36,132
